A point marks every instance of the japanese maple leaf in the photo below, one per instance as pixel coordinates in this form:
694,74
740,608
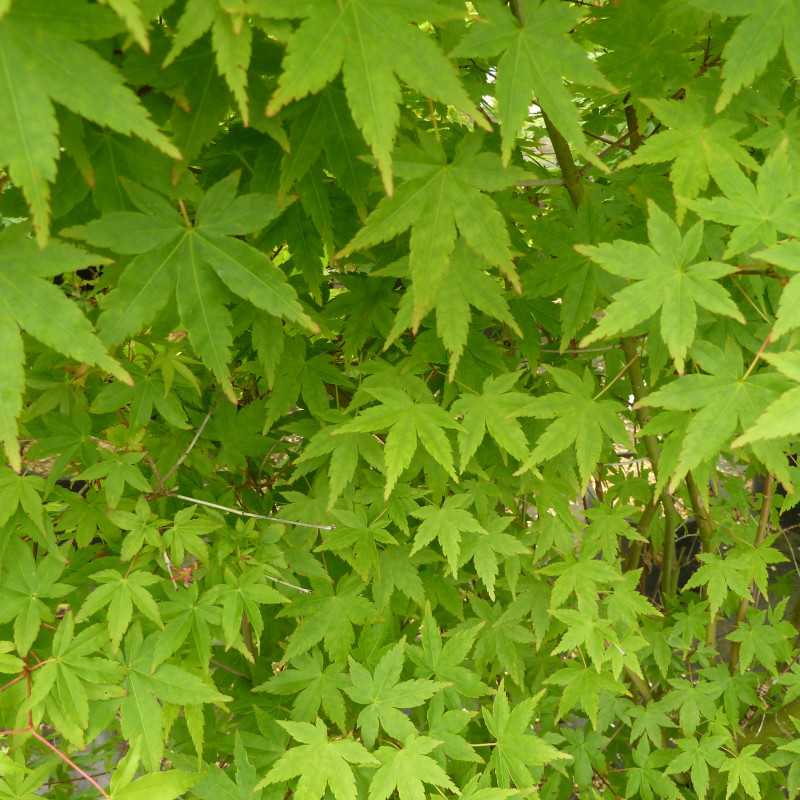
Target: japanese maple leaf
766,26
785,255
494,411
537,55
781,417
695,756
196,263
698,142
26,585
465,285
743,768
581,420
384,696
318,762
30,301
407,422
758,212
516,749
313,685
373,43
667,279
328,616
406,771
440,199
44,61
447,523
74,667
724,402
231,37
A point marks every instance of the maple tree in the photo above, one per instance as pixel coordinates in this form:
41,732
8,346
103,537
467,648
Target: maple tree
399,399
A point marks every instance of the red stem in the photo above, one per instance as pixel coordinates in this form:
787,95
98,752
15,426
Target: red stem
67,760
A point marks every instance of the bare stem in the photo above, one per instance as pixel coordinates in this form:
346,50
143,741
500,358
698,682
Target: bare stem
251,515
67,760
185,454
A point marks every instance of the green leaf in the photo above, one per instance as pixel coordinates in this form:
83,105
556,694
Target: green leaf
516,750
373,45
537,55
194,262
581,419
701,145
439,199
407,770
667,278
757,212
407,422
332,762
385,697
43,63
743,770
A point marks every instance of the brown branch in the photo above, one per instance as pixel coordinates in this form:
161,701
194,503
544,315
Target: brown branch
185,454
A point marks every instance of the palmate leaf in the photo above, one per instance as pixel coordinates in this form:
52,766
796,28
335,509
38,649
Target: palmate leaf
439,199
537,55
667,279
580,420
516,748
373,44
698,142
724,402
29,301
406,771
42,61
385,697
757,212
198,264
766,26
495,411
465,285
318,762
407,423
231,37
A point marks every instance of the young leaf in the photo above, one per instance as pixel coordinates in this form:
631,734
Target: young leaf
408,423
537,55
406,771
331,760
45,61
439,199
667,278
373,44
385,697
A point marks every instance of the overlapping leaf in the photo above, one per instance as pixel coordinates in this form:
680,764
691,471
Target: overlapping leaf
668,278
439,199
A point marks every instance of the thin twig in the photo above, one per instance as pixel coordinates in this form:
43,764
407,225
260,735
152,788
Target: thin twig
67,760
288,585
185,454
251,515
